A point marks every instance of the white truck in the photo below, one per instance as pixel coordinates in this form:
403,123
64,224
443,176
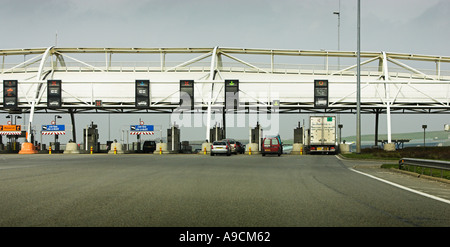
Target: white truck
322,134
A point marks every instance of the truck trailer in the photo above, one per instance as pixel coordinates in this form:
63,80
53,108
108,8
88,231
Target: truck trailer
322,134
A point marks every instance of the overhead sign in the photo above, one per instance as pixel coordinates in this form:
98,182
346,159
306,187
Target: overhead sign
54,94
10,130
53,129
186,83
10,127
232,83
142,94
320,93
141,127
187,94
61,127
142,130
9,94
232,94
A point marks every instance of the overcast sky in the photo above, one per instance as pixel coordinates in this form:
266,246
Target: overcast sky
412,26
409,26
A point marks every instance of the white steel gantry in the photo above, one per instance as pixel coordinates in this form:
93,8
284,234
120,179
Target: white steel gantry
390,82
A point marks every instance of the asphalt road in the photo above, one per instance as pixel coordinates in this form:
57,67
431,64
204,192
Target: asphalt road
198,190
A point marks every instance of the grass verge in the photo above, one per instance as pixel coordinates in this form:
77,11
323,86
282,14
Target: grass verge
438,153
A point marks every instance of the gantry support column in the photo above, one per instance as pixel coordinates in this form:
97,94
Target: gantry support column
212,74
388,96
36,99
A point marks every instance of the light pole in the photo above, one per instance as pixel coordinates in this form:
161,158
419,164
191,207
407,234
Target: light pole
338,13
358,82
15,119
424,127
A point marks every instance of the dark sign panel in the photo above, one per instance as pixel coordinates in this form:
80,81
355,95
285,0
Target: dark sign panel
186,83
142,94
231,94
320,93
187,94
232,83
10,94
54,99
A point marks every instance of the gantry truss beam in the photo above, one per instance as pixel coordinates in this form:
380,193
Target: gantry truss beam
396,83
388,79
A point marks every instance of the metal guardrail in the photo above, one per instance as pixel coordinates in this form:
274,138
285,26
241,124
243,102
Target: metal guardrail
431,164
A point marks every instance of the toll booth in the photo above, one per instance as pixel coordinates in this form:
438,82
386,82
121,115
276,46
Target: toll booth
173,139
255,140
185,147
13,146
257,135
216,134
298,135
56,147
90,138
298,146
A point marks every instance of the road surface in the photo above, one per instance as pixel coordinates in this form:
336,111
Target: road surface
200,190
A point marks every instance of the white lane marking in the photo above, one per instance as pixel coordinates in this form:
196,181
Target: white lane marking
403,187
17,167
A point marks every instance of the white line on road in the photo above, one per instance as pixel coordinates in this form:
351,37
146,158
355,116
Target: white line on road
403,187
19,166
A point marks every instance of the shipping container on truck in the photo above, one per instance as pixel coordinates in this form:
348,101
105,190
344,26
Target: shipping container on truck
322,134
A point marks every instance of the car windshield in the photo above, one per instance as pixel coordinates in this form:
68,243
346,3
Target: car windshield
219,143
266,141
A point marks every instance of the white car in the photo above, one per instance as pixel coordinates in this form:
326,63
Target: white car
220,147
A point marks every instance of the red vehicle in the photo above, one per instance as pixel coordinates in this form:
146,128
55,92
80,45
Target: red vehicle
272,145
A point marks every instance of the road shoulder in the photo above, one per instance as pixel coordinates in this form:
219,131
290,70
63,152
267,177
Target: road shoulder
426,184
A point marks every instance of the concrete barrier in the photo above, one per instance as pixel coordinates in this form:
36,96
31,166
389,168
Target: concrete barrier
298,149
207,146
161,147
71,148
253,147
389,147
116,148
344,148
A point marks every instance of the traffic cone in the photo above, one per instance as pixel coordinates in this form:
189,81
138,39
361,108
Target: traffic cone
28,148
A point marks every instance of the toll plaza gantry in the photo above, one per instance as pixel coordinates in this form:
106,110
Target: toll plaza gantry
219,79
